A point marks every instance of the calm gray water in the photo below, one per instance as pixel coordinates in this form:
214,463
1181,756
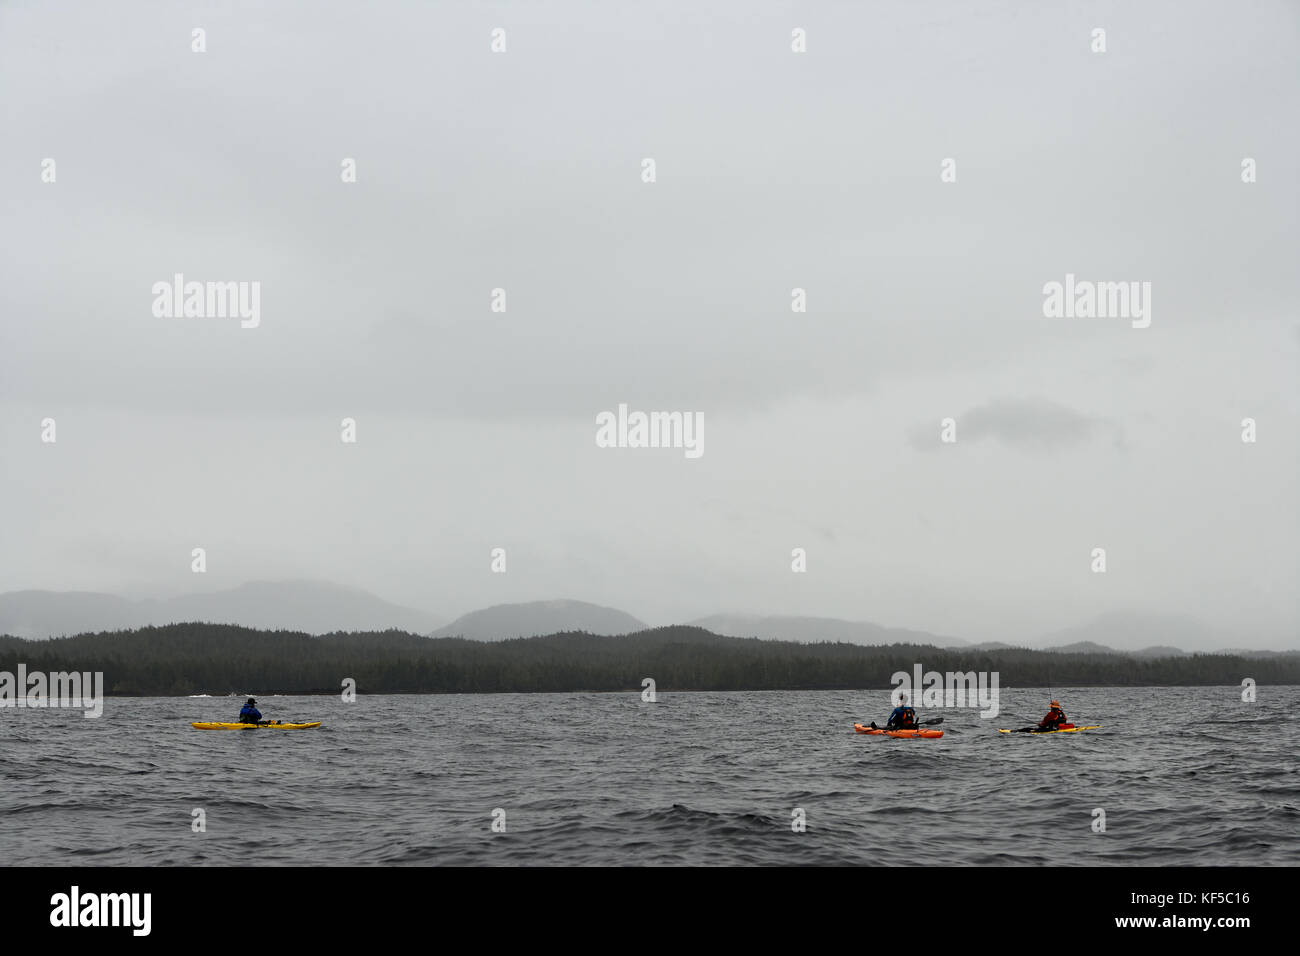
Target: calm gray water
1184,775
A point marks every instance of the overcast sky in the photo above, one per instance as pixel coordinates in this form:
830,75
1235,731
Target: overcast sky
775,170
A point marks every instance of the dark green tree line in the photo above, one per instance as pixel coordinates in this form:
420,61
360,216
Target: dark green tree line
219,659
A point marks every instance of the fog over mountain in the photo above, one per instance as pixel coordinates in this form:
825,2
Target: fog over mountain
535,618
1135,631
320,607
310,606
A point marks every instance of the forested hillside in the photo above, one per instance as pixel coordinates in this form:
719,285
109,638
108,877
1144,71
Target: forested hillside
219,659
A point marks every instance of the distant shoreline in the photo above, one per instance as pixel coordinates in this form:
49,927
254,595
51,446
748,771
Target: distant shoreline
184,660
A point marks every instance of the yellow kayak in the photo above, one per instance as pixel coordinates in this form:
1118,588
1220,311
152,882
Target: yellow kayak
1063,730
273,725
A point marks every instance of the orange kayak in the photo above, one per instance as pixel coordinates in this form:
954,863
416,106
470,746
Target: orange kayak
921,732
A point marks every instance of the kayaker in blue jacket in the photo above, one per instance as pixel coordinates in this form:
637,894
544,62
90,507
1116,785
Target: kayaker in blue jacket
901,717
250,714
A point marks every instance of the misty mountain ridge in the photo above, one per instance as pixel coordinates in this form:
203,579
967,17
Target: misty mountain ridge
503,622
810,630
317,607
312,607
1135,632
1081,647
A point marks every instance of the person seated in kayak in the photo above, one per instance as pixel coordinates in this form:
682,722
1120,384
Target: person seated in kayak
1055,717
250,714
901,717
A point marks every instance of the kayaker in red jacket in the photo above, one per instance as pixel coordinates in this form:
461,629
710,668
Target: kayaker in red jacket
1054,719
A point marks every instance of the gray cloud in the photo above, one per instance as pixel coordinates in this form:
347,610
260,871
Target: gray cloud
1030,424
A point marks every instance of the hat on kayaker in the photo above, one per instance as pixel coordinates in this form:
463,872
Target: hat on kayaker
1056,704
251,701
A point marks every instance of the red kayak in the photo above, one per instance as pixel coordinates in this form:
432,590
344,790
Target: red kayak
919,732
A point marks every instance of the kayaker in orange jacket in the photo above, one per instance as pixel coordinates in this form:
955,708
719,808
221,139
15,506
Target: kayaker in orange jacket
1054,719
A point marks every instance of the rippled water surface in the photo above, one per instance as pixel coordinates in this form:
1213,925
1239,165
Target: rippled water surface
1184,775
